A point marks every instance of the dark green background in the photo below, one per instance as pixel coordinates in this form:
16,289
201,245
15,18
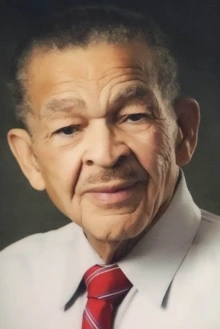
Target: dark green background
194,29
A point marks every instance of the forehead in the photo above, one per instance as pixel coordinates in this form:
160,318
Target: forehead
94,69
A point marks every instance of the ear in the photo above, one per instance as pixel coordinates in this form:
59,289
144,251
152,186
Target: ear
21,146
188,119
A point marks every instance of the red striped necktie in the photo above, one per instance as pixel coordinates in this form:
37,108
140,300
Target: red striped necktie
106,287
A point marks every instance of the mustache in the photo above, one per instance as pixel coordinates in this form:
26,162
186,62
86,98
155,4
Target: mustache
123,172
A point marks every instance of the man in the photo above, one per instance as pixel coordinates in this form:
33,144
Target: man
105,134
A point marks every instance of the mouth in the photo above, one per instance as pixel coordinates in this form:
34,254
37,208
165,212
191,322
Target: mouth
113,195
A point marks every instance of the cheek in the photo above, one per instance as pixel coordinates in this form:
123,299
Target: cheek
153,150
60,169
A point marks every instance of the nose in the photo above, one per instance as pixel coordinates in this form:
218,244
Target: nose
104,147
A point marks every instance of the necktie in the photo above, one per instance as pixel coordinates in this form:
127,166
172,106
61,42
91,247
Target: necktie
106,287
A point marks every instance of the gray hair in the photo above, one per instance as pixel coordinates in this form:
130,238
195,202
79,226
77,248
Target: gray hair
83,25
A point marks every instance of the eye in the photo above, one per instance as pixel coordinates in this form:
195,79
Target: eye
136,117
68,131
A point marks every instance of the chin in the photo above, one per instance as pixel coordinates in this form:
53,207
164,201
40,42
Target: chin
119,226
118,234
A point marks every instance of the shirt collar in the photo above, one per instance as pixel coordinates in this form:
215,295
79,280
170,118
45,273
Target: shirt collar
153,263
83,257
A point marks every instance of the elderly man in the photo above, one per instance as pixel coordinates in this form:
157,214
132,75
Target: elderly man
105,134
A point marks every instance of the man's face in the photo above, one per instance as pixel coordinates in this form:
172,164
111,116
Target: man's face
102,137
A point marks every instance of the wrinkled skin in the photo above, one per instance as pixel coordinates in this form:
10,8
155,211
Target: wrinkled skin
102,141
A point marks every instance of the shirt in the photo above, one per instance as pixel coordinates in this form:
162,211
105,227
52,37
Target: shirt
175,271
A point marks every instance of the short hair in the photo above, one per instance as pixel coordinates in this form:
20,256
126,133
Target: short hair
80,26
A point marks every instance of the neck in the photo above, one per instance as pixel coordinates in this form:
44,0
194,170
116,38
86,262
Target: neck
113,251
105,249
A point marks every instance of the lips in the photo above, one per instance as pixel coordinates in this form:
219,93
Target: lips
110,189
112,195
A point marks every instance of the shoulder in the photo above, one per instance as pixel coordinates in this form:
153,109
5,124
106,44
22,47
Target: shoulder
209,229
33,271
210,217
195,292
204,253
36,243
42,249
36,266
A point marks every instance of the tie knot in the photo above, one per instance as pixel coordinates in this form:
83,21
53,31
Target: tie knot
106,287
106,282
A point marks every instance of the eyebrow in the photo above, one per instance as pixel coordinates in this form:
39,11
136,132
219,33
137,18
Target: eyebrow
128,94
66,104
